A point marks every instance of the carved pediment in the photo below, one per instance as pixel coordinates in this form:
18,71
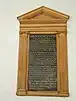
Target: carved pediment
43,13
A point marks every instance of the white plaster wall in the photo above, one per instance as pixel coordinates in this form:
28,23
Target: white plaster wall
9,27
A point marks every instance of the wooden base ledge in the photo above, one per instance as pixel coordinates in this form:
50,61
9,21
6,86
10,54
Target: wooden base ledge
52,94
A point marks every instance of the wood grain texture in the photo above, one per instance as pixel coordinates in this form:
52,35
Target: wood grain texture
22,63
48,29
27,61
48,21
44,93
63,64
58,63
42,10
35,22
41,25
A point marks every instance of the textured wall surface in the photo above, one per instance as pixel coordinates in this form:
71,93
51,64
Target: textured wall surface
9,41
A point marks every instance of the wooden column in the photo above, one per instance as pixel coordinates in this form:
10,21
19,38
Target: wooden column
63,64
22,64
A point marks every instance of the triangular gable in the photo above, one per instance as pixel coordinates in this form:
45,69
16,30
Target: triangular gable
43,11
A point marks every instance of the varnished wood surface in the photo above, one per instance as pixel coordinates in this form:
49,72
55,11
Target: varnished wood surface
42,10
30,23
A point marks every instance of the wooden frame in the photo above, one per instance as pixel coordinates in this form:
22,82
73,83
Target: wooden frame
35,22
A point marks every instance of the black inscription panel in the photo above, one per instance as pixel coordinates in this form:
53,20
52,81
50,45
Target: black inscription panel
42,67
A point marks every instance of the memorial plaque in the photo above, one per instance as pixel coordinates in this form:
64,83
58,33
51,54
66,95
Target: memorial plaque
42,67
42,55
